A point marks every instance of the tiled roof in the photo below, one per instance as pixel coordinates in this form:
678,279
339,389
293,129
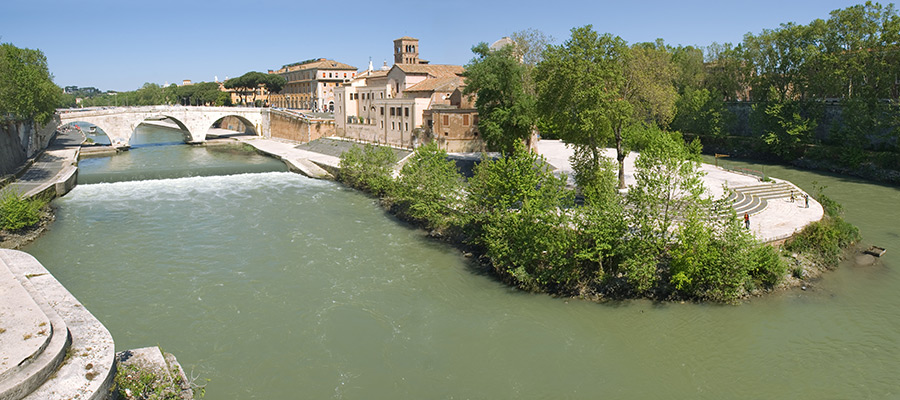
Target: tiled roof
445,84
435,70
321,64
406,38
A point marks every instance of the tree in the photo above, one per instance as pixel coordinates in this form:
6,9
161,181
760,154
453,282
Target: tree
649,83
430,188
249,84
529,45
668,186
581,93
27,91
505,109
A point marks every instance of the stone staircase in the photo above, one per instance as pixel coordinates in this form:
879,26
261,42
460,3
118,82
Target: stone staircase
753,199
51,347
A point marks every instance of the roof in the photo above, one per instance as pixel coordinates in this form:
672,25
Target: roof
435,70
372,74
405,38
445,84
320,63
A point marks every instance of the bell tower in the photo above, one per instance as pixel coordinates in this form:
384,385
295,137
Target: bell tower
406,50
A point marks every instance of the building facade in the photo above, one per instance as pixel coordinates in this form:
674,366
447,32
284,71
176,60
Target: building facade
390,106
310,84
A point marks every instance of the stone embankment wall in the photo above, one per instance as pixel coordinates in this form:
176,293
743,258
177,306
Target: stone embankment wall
289,127
20,141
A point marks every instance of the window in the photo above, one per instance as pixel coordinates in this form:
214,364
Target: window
406,111
446,120
382,124
392,126
392,111
407,126
465,120
382,110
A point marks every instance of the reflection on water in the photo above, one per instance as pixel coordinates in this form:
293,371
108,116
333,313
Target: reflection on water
277,286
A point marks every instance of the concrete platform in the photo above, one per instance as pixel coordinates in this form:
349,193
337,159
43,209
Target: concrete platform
311,164
773,216
87,368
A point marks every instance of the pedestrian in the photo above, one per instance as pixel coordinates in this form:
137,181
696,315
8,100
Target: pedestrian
792,196
747,220
806,197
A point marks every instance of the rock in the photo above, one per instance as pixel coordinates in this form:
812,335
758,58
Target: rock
864,260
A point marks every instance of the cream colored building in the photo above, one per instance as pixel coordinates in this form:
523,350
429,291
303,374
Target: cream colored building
311,84
389,106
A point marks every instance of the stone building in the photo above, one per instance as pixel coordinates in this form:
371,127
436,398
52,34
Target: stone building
389,106
455,127
310,84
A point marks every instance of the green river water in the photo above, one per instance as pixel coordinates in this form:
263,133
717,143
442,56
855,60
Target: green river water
276,286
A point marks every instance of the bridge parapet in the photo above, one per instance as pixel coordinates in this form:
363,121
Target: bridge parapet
119,123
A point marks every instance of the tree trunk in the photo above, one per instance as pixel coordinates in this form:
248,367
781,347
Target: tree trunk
620,157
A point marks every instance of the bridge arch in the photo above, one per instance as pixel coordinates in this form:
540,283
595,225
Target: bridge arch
234,122
84,127
161,117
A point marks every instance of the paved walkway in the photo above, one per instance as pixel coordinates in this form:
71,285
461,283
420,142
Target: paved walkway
57,164
777,219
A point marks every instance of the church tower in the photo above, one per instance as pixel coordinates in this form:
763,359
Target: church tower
406,50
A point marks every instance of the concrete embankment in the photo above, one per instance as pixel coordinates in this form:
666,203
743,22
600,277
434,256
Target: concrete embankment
52,347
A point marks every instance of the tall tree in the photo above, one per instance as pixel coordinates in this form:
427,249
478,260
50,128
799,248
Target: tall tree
505,109
27,91
581,93
650,83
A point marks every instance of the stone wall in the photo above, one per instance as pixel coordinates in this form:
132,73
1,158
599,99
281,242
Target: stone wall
282,126
20,141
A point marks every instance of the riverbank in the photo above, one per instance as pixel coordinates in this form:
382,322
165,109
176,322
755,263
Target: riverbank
20,238
556,248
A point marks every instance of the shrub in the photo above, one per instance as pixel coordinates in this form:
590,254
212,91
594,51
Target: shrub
825,239
520,218
430,188
369,169
18,212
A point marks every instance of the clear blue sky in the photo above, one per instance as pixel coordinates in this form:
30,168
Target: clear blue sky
120,44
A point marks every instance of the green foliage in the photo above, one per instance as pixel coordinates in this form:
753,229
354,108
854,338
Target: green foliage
27,91
506,114
18,212
668,185
249,83
825,239
702,113
716,259
581,91
369,169
649,83
430,188
518,207
786,125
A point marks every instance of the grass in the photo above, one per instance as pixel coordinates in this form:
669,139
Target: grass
18,212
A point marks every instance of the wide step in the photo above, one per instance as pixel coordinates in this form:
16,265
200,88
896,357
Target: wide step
88,370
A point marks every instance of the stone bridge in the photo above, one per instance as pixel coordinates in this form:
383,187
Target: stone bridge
119,123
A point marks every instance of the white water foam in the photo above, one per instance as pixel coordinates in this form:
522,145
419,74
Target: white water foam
190,188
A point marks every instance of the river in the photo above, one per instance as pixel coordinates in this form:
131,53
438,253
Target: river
276,286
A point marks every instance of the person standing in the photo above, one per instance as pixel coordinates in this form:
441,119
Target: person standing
806,197
747,220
